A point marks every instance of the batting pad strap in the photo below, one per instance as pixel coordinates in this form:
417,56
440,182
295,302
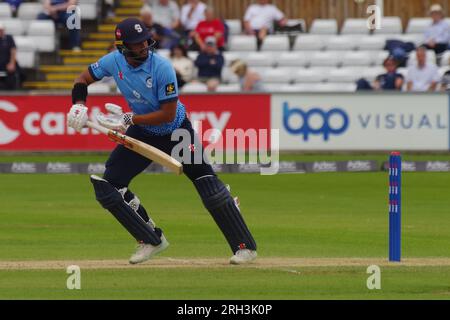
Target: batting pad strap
112,200
217,199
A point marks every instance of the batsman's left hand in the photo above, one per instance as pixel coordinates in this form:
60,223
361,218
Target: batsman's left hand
77,117
115,119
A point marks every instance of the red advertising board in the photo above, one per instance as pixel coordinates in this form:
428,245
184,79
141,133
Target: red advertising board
38,123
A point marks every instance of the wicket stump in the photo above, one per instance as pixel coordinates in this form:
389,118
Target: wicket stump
395,206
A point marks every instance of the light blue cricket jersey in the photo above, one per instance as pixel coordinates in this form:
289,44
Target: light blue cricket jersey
145,88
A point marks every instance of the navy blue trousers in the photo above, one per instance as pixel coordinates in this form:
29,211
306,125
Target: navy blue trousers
123,164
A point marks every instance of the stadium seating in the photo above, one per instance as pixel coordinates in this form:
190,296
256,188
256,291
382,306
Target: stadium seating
276,43
195,87
293,59
235,26
345,42
242,43
29,11
43,34
277,75
324,26
418,25
26,52
355,26
390,25
326,57
5,11
311,75
445,60
261,59
311,42
14,27
89,9
224,88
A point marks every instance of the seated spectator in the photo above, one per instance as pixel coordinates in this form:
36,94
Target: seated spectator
437,36
166,13
182,64
259,19
14,4
192,13
56,10
108,7
249,80
210,27
155,29
423,76
165,38
210,63
9,72
391,80
445,83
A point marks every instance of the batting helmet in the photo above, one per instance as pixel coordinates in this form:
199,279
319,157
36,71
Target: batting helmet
131,31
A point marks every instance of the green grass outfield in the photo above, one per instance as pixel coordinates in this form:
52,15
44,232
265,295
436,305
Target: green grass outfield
317,234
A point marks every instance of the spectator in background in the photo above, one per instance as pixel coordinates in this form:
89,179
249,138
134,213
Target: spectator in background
249,80
182,64
155,29
9,73
210,27
165,38
391,80
422,76
166,13
445,83
259,20
14,4
210,63
56,10
108,7
192,13
437,36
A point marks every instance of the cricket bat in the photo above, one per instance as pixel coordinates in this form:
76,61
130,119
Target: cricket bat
140,147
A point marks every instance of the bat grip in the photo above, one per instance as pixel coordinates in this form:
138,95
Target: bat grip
97,127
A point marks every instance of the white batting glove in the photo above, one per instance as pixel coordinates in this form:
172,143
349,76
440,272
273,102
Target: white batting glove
114,109
77,117
115,119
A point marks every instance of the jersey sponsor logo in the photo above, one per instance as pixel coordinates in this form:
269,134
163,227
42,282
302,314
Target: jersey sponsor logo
149,82
95,66
136,94
170,89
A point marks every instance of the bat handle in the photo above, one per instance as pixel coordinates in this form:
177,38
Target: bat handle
97,127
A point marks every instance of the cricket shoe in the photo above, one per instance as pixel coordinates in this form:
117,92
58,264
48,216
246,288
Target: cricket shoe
145,251
243,256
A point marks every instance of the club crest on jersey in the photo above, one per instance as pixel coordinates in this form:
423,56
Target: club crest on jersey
149,82
118,34
170,89
120,75
136,94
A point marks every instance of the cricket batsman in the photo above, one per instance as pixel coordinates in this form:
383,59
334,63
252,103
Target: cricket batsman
148,83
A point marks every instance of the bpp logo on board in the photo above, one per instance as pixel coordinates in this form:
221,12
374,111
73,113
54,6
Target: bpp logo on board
315,122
